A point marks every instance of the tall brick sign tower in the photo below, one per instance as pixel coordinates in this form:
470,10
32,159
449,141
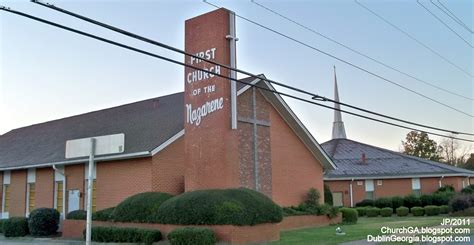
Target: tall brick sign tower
211,140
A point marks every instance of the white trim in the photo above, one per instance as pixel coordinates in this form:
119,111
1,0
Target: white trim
59,173
167,142
4,215
397,177
6,177
244,88
31,178
83,160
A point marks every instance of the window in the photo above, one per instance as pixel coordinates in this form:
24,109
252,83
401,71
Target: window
59,196
369,189
379,182
94,195
337,199
416,186
6,193
31,196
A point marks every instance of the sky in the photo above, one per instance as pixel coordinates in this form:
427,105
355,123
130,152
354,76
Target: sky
47,73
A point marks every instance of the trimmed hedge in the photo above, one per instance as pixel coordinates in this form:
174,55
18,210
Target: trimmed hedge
372,212
361,211
43,221
124,234
15,227
77,215
432,210
192,235
140,208
397,202
444,209
104,214
426,200
383,202
442,198
239,206
411,201
468,189
327,195
2,221
386,212
349,215
446,188
365,203
402,211
417,211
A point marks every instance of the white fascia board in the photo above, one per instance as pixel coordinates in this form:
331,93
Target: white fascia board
167,142
83,160
398,177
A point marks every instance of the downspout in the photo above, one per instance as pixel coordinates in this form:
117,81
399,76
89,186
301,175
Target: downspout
440,181
350,193
64,190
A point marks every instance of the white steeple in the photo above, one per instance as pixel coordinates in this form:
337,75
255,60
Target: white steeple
338,131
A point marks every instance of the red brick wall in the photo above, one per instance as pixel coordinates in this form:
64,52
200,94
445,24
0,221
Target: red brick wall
393,187
75,181
117,180
429,185
168,169
17,193
341,186
456,182
294,169
44,188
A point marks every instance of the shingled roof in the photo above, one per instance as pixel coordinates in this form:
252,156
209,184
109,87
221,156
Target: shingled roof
381,163
148,125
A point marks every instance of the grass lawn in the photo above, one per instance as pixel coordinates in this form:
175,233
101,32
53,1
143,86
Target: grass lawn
359,231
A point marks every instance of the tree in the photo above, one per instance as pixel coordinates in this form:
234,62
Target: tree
420,145
469,163
453,152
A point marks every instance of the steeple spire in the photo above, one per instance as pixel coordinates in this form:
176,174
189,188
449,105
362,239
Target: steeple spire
338,131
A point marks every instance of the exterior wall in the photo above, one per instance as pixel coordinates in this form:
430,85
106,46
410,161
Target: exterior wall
168,169
294,169
1,191
429,185
455,182
393,187
44,196
75,181
18,193
117,180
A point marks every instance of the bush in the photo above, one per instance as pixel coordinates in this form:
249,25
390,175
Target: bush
397,202
192,235
104,214
327,195
361,211
402,211
411,201
444,209
442,198
15,227
463,213
460,203
372,212
365,203
2,221
383,202
292,211
312,198
417,211
468,189
426,200
124,234
43,222
239,206
333,212
386,212
446,188
140,207
432,210
77,215
349,215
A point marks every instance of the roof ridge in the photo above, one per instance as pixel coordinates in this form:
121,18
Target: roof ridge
90,112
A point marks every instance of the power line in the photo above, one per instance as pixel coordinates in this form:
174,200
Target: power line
459,21
413,38
448,13
211,72
444,23
346,62
356,51
314,96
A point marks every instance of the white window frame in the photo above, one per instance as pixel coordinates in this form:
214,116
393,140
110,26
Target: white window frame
6,181
59,177
369,187
416,185
31,179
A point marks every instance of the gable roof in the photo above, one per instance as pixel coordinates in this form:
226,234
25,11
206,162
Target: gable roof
149,126
381,163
